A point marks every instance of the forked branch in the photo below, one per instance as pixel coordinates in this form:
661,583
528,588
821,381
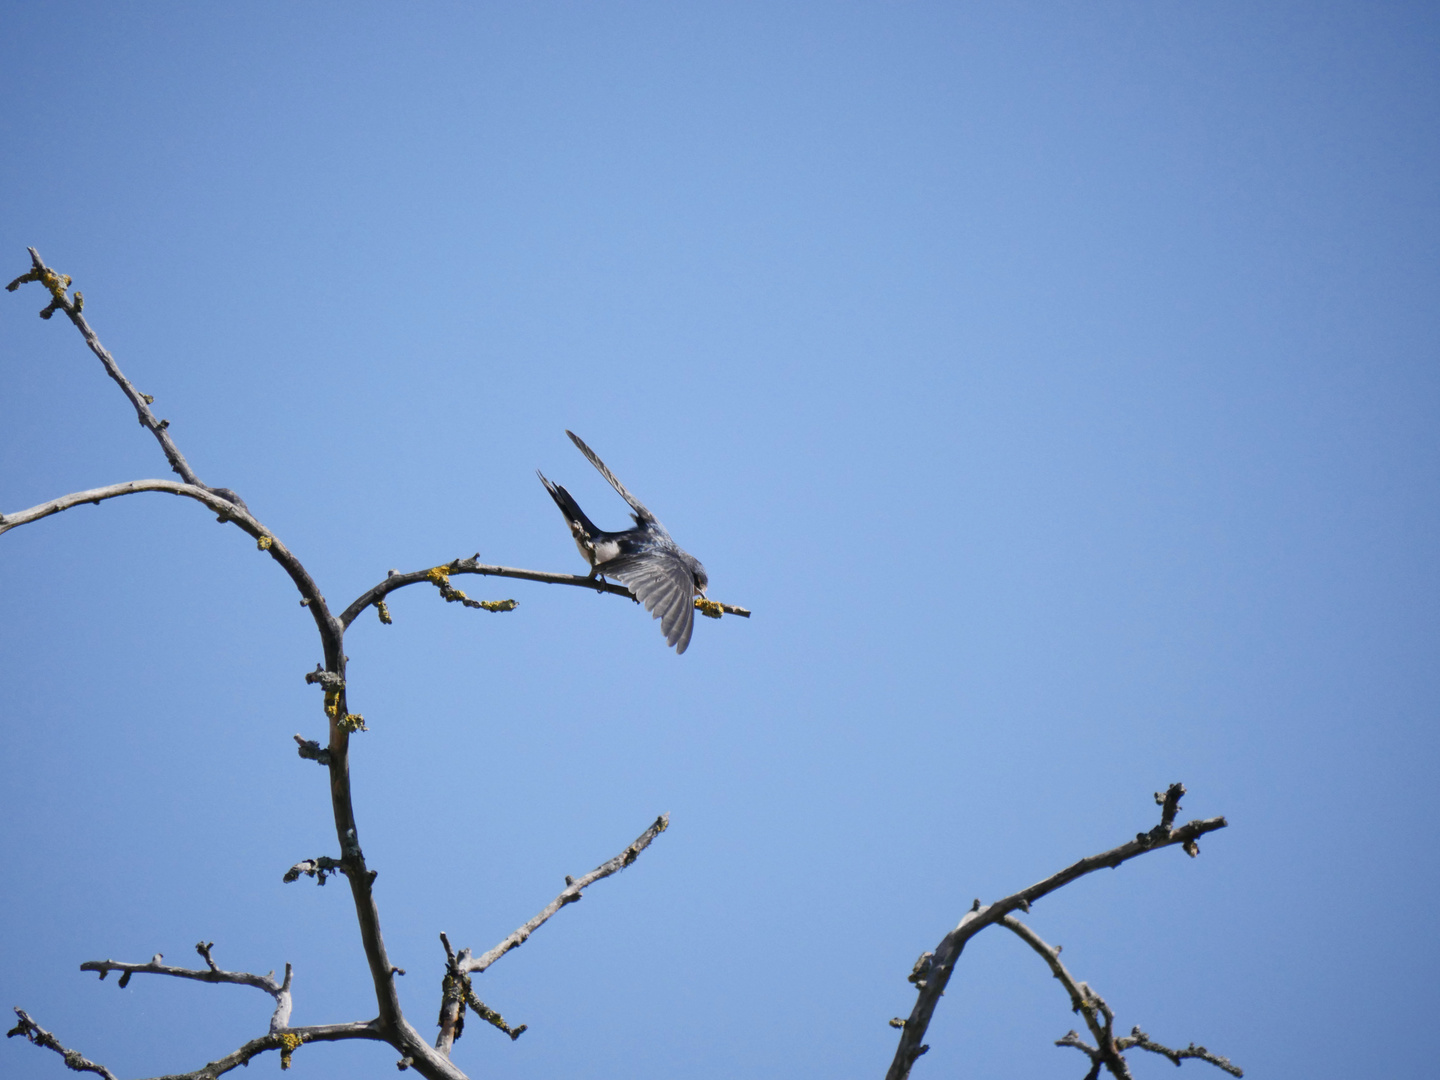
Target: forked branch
287,1042
932,971
1108,1051
211,973
459,966
390,1024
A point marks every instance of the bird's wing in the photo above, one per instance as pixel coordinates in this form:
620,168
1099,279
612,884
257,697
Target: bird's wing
642,515
664,585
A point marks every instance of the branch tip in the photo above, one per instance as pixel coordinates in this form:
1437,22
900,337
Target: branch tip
38,1036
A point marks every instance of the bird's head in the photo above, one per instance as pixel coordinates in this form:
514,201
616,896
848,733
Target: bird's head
702,580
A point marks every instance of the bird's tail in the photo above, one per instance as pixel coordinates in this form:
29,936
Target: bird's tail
568,506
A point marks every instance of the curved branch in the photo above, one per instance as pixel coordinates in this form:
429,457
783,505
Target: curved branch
1051,955
473,565
934,970
131,487
230,507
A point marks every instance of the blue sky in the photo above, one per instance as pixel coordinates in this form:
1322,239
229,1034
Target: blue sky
1058,384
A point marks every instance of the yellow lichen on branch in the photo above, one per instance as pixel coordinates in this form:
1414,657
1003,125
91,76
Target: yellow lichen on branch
289,1043
712,609
439,576
55,283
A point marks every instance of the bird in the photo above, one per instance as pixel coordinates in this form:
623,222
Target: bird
656,570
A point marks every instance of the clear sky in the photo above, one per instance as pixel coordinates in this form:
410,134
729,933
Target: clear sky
1057,382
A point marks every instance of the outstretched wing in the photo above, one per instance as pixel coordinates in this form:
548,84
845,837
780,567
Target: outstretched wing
665,585
642,515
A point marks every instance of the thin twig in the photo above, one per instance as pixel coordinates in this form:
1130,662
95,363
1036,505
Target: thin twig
40,1037
569,895
1141,1041
1082,999
932,986
131,487
57,284
463,964
1072,1038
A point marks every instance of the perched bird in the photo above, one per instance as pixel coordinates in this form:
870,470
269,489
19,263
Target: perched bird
644,559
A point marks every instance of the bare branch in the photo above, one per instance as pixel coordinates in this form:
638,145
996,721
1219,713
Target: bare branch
458,993
569,895
1072,1038
473,565
1098,1017
228,506
390,1025
57,284
1140,1040
212,973
40,1037
1083,1000
932,986
458,967
287,1042
207,974
220,505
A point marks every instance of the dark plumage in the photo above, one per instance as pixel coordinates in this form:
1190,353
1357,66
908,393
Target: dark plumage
644,559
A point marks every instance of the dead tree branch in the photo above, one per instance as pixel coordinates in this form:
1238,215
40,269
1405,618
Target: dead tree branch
1098,1017
97,495
1141,1041
569,895
57,284
232,508
932,972
287,1042
458,993
211,973
459,966
390,1024
40,1037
